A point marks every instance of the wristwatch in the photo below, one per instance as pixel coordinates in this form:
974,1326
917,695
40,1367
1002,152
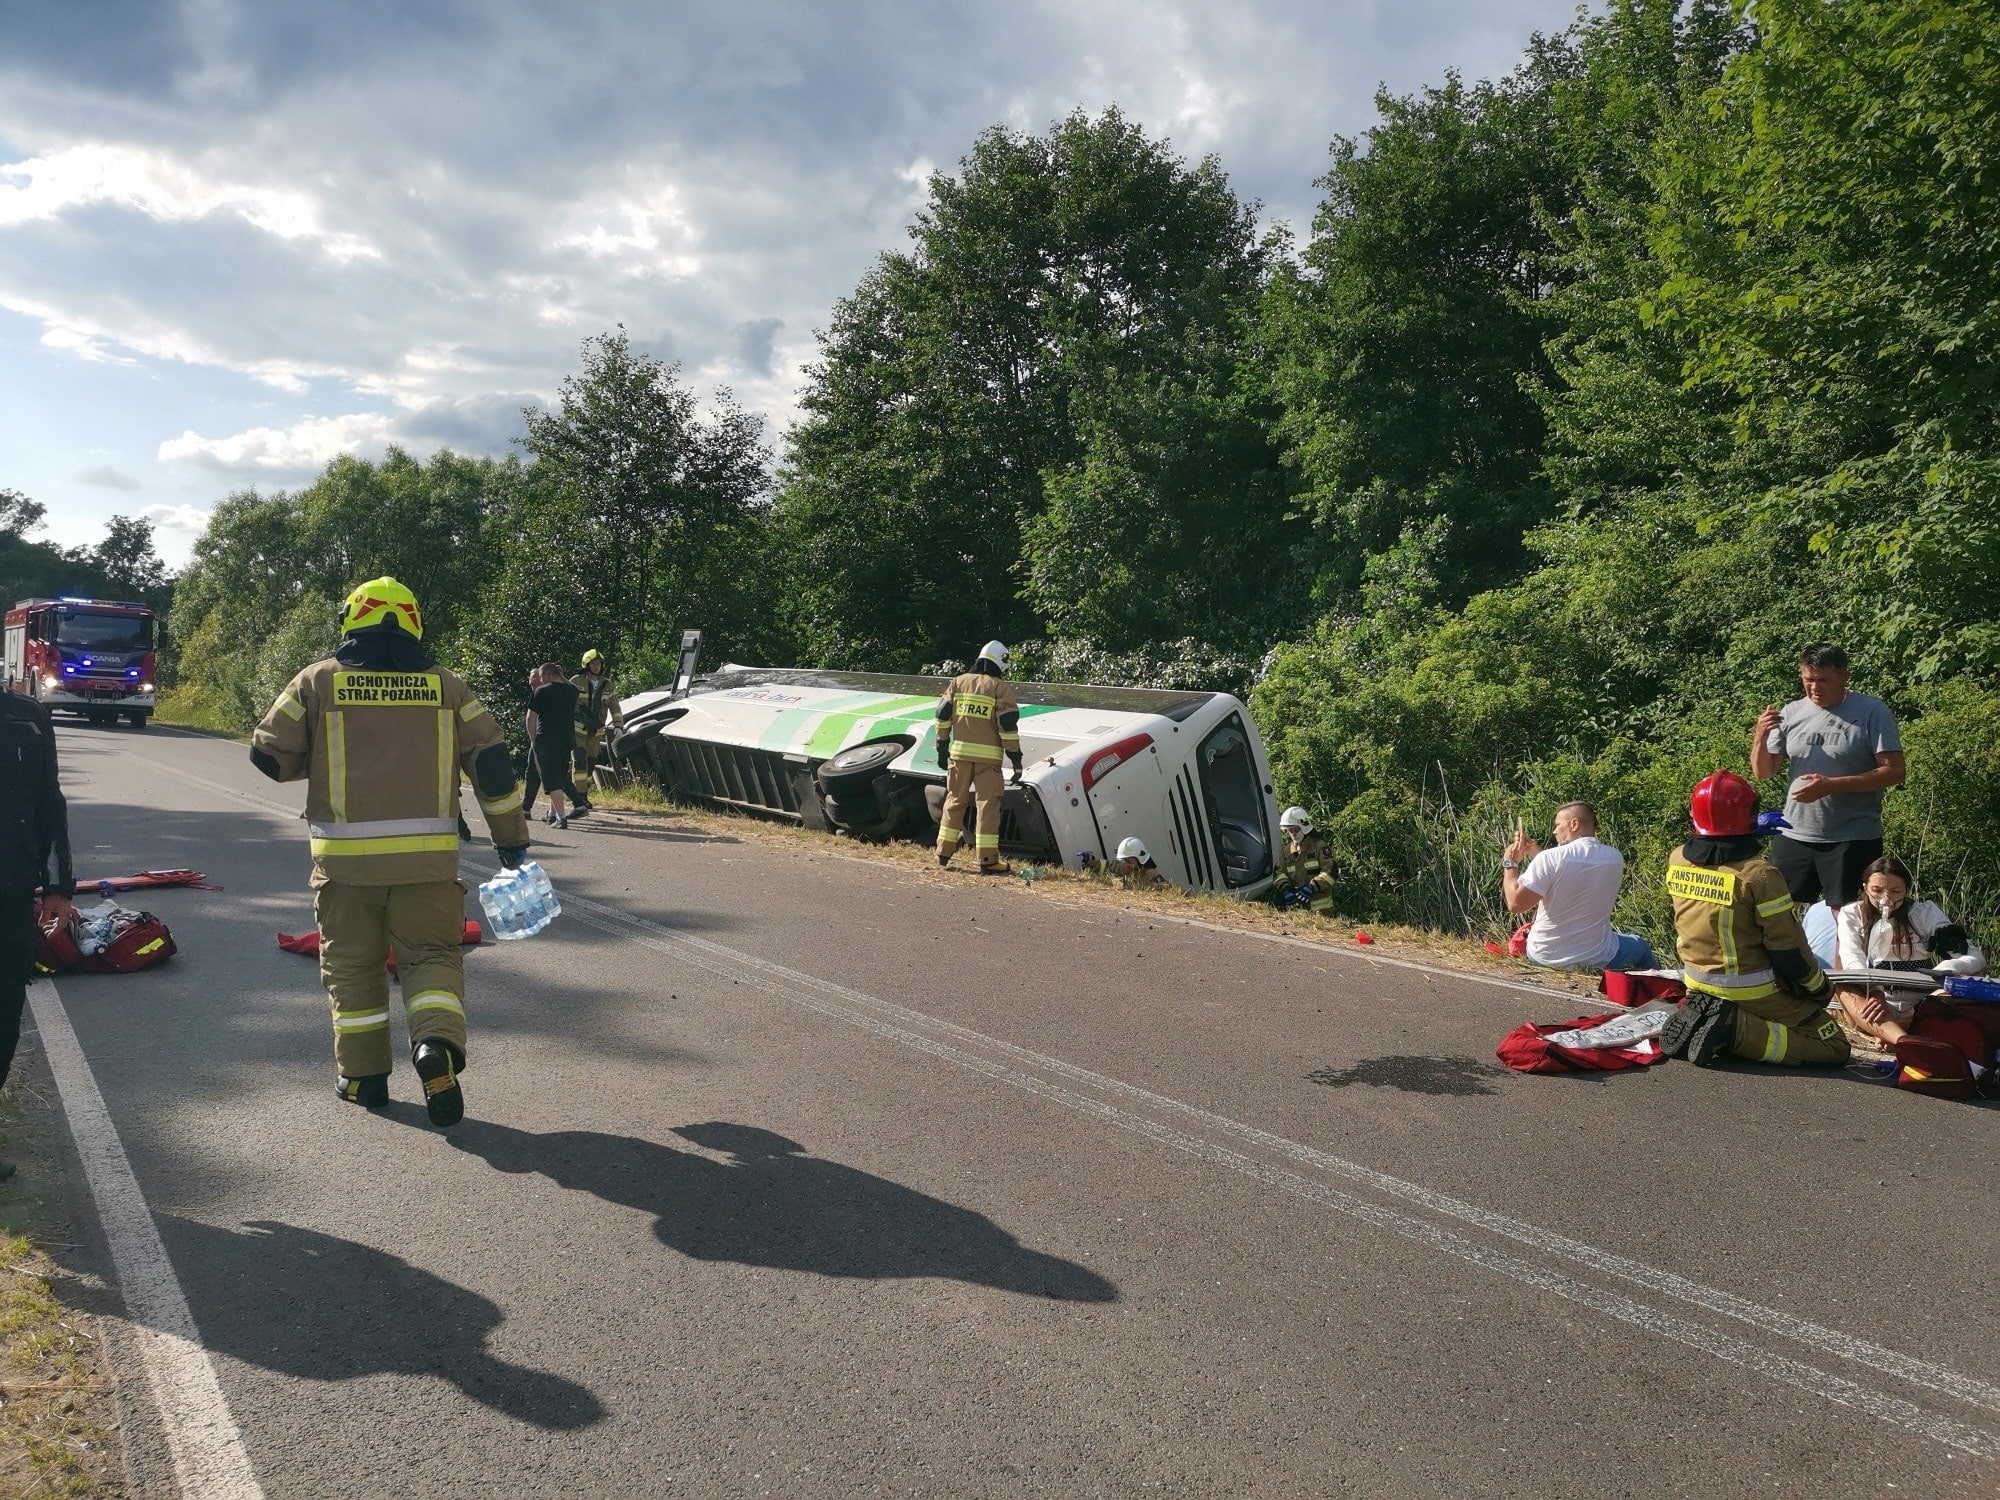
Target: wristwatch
1510,864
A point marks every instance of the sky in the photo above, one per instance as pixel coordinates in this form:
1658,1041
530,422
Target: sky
237,239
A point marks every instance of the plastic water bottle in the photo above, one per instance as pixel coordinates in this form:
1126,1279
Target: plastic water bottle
543,905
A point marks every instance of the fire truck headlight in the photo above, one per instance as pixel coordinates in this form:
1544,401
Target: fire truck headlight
48,682
145,687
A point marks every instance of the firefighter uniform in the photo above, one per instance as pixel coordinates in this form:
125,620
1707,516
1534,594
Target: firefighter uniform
978,722
1306,862
380,735
597,701
1734,926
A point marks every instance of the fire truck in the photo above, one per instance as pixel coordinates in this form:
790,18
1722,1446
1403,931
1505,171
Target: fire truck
89,656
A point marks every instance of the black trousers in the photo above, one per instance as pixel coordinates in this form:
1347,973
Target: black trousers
1830,870
17,967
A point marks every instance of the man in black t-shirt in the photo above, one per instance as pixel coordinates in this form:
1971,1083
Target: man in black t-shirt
34,826
552,741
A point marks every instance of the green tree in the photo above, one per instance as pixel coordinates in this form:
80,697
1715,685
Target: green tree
1029,416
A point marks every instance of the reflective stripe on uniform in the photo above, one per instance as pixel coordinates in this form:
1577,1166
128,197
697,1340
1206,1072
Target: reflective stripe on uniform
336,763
381,828
447,768
362,1020
1775,1039
435,1000
504,804
469,709
1775,905
422,843
972,750
1725,934
987,841
1731,986
290,707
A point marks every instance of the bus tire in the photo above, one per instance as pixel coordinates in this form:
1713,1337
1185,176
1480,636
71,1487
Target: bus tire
853,812
138,719
851,774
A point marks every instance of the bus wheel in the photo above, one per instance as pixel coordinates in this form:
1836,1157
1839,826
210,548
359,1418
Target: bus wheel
850,775
138,719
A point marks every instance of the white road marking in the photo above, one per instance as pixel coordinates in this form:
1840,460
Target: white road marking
207,1450
867,1011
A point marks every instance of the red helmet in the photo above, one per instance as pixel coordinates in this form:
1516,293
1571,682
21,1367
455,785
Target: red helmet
1724,806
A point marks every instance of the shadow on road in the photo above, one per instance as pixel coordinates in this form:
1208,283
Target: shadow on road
1461,1077
309,1304
773,1205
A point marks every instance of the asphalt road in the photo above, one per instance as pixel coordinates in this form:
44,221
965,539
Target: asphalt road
794,1173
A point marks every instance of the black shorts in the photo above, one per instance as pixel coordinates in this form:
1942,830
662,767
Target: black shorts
1830,870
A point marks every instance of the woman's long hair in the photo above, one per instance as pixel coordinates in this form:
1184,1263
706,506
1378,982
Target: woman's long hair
1899,919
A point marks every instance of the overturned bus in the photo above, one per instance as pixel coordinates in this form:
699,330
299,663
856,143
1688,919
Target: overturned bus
857,751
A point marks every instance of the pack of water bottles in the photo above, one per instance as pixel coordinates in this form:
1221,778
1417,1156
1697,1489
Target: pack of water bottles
519,903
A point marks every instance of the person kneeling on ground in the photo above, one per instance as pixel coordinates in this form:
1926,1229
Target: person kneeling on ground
1571,890
1305,865
1754,989
1134,867
1885,929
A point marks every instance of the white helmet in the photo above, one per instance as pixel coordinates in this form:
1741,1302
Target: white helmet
1133,849
1294,820
996,653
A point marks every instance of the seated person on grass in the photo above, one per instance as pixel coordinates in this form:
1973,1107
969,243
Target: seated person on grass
1571,890
1885,929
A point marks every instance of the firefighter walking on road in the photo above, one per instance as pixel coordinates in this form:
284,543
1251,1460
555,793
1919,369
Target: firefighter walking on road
978,721
1755,991
380,733
1305,864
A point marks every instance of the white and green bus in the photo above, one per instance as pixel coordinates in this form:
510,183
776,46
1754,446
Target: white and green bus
857,751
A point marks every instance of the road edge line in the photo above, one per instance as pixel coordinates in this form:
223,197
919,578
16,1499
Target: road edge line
210,1461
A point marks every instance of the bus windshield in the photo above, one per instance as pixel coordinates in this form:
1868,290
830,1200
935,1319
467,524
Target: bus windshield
92,631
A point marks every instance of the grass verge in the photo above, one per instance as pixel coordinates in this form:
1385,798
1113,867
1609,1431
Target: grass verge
58,1428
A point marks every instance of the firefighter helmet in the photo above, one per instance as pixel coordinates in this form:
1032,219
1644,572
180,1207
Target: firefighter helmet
593,654
1724,806
1295,822
1134,849
381,603
996,653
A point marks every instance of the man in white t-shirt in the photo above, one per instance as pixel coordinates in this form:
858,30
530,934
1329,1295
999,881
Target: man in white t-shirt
1571,890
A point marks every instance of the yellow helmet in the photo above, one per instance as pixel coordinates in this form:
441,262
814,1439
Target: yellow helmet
381,602
593,654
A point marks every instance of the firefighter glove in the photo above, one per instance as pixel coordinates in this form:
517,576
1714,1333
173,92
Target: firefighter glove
511,857
1014,758
944,753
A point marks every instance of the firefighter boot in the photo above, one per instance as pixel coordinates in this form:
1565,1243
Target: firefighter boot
1701,1030
437,1064
370,1091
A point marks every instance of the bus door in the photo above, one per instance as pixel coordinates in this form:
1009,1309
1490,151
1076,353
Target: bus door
1123,781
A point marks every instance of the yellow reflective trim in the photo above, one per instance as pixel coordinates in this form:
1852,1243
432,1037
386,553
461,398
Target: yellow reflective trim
504,804
361,1020
1748,992
1725,934
435,1000
971,750
447,766
1775,905
1774,1043
290,707
470,709
973,706
1694,883
419,843
336,764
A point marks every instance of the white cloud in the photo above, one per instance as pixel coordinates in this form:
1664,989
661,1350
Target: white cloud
154,184
188,518
300,448
104,477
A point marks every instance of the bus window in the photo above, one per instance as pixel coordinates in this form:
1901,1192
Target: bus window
1235,803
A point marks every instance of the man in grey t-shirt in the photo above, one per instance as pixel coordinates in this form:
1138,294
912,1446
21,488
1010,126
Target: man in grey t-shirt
1844,751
